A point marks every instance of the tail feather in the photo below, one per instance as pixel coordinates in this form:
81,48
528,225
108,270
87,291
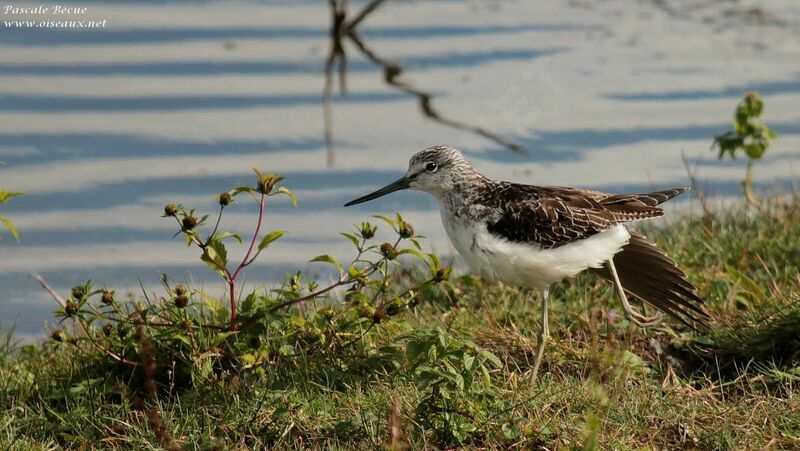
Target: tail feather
648,274
634,207
644,199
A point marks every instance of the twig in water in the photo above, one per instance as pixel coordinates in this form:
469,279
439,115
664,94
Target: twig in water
342,29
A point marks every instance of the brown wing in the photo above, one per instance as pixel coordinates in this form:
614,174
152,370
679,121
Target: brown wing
554,216
650,275
633,207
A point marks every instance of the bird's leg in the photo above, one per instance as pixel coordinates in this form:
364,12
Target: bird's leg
544,333
632,315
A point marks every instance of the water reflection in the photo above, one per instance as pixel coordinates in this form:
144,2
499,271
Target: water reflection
102,129
343,30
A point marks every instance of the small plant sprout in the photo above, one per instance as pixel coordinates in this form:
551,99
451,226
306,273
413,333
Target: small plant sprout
748,135
214,252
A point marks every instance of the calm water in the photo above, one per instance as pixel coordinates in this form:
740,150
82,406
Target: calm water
176,101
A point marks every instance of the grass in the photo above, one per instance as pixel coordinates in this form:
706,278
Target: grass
452,370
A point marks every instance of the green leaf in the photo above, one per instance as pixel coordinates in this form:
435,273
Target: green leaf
5,196
435,263
389,221
745,282
493,359
212,258
328,259
351,237
10,227
249,304
222,235
292,197
413,252
219,248
243,189
415,349
469,360
269,238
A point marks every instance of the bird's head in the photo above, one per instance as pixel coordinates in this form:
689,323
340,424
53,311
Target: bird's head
434,170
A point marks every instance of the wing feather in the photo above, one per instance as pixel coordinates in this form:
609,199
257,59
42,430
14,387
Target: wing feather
555,216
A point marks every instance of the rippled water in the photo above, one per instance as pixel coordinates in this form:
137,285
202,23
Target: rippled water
175,102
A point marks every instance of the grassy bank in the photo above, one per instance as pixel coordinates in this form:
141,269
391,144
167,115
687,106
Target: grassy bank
450,368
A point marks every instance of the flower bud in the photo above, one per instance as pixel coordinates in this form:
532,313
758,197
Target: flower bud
225,199
107,298
180,290
442,275
71,308
189,222
181,301
368,230
405,230
57,335
107,329
266,183
388,251
78,292
170,210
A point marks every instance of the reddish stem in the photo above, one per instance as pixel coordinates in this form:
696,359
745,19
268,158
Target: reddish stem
245,262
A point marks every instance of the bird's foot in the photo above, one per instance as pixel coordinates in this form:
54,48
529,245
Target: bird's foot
643,321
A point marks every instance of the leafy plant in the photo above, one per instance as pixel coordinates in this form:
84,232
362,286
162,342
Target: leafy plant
192,337
5,196
454,377
748,135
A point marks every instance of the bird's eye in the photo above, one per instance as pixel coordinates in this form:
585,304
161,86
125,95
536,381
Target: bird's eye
431,167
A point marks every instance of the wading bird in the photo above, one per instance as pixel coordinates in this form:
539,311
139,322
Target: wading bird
533,236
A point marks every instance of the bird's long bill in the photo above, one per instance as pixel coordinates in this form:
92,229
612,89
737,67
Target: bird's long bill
397,185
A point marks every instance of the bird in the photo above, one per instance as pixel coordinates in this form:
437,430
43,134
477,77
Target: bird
533,236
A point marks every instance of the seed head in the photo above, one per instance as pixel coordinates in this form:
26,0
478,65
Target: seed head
57,335
378,316
405,230
107,298
225,199
71,308
170,210
107,329
78,292
180,290
388,251
393,309
189,222
181,301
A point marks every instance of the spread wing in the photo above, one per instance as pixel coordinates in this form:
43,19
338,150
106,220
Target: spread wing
555,216
648,274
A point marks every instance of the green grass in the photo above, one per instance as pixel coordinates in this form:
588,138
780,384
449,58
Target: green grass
453,370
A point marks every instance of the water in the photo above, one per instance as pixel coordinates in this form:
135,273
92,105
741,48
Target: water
176,101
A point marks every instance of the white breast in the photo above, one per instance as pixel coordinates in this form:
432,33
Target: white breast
528,265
